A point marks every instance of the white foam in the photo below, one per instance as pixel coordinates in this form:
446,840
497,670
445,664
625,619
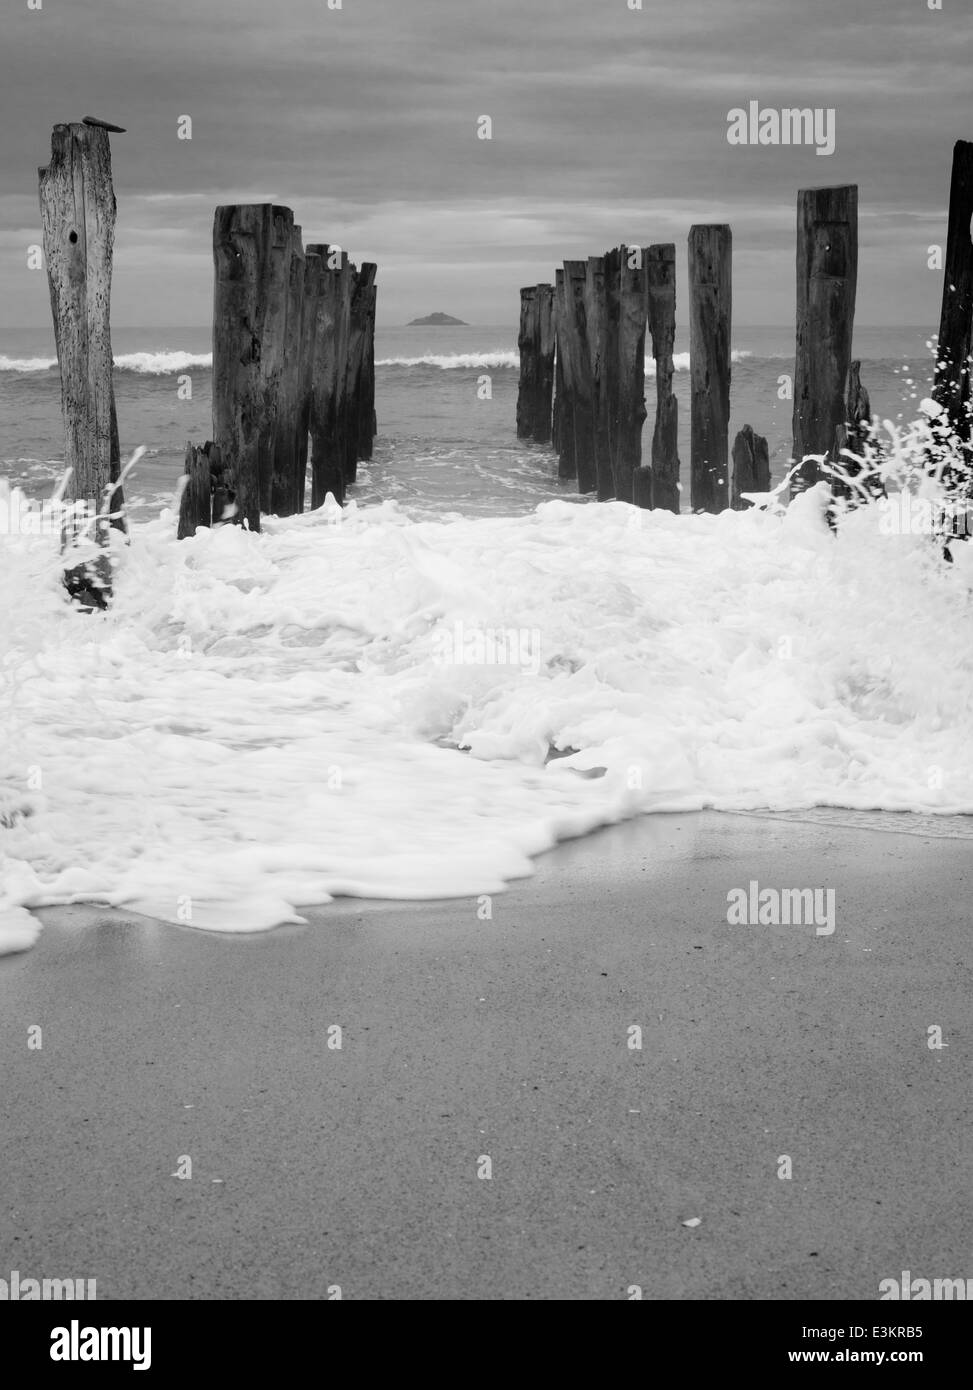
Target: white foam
256,725
501,358
452,361
144,363
161,363
26,364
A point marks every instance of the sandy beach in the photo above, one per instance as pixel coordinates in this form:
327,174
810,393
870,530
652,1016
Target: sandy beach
315,1167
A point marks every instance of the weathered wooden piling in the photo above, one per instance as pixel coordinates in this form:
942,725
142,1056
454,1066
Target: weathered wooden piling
710,296
827,277
77,203
751,467
558,317
629,389
367,424
851,438
596,321
252,248
362,283
347,278
612,261
196,503
566,329
327,417
662,486
527,345
582,391
284,499
542,411
858,411
952,386
313,272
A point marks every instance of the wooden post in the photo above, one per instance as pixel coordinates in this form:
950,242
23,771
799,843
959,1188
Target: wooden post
346,284
710,250
558,363
77,203
952,388
579,356
527,344
196,503
252,245
544,356
313,272
630,371
662,485
751,467
827,276
610,369
858,408
367,427
850,438
284,499
596,318
327,394
565,332
362,284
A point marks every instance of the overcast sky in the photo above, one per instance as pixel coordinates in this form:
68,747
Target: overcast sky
609,125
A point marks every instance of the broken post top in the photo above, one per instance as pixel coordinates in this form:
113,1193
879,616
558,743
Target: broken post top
103,125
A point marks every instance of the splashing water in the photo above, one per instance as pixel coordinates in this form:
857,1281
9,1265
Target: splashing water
363,703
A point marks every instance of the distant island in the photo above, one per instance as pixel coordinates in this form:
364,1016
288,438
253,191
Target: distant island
434,319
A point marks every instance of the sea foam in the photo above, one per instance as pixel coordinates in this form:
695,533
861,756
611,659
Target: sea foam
263,722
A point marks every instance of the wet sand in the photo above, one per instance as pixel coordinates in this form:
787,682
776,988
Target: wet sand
508,1038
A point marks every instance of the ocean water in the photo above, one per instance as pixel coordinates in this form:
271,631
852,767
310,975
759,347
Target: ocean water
414,696
440,447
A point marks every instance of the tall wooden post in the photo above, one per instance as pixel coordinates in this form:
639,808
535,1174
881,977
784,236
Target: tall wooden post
850,442
613,261
827,277
77,203
313,272
575,280
527,344
952,388
629,376
564,382
196,502
252,245
367,427
362,283
660,274
544,356
347,278
710,249
596,318
284,486
751,467
328,389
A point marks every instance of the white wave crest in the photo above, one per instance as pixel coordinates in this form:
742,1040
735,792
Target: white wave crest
161,363
451,361
144,363
501,358
26,364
